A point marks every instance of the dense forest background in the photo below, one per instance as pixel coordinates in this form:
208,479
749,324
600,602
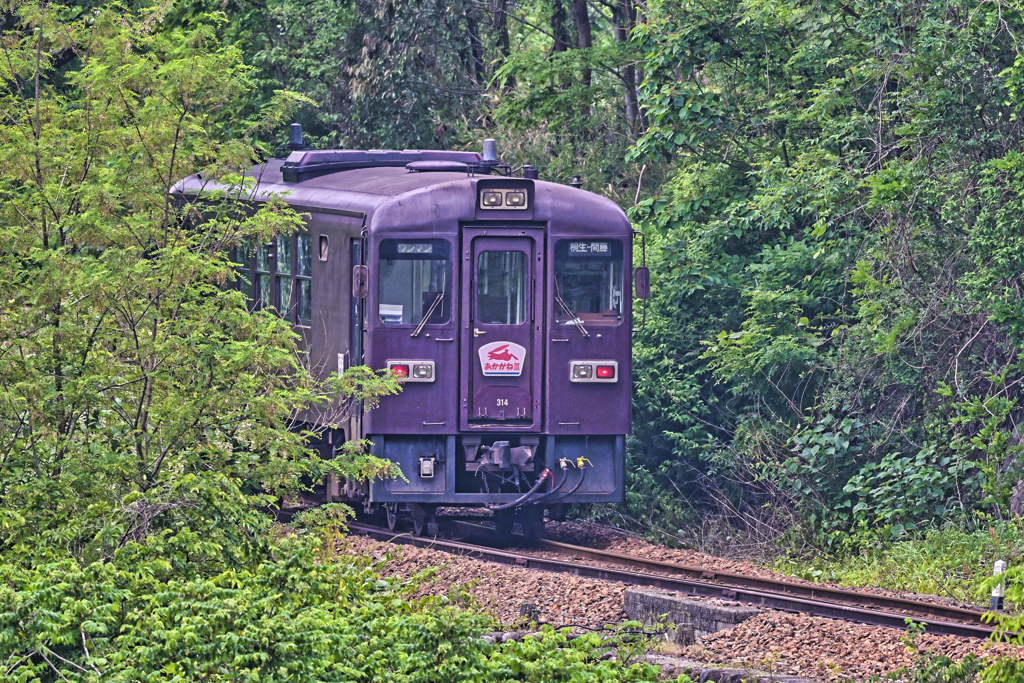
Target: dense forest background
829,191
832,197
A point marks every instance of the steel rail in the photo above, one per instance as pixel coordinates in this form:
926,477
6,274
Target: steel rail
812,592
775,599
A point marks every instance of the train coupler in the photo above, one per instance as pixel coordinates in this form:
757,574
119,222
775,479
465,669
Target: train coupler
499,456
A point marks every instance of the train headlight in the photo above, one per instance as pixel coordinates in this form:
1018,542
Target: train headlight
593,371
583,371
412,370
503,199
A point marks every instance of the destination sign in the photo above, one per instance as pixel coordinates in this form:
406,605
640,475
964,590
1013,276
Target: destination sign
581,248
415,248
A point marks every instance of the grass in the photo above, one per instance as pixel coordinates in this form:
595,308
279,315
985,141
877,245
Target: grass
952,561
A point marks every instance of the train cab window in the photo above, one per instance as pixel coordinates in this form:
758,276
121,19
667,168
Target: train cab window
415,282
588,282
501,288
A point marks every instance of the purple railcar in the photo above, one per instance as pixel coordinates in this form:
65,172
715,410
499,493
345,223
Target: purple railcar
505,302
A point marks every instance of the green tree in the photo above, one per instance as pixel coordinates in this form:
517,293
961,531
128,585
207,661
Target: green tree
137,393
839,258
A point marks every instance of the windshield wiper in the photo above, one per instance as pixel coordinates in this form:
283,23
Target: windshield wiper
430,312
573,318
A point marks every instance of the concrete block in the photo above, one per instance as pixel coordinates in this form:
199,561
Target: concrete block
693,618
707,673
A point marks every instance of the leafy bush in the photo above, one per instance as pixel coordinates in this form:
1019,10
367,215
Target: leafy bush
955,560
295,613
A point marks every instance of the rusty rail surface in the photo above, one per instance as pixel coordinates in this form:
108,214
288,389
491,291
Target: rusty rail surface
833,603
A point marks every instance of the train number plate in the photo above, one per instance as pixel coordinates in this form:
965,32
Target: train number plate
502,359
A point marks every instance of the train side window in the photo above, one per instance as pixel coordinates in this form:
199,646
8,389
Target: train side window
284,276
414,281
303,278
501,288
263,284
588,281
243,257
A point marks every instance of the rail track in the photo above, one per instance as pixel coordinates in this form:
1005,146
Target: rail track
833,603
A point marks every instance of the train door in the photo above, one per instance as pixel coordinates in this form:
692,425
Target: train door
501,329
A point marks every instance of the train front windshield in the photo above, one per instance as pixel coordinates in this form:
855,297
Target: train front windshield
588,282
415,281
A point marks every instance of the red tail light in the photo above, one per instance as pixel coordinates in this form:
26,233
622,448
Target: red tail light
411,371
593,371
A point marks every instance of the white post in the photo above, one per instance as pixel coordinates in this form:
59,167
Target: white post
999,591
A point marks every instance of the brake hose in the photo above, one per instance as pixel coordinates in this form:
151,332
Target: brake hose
583,475
545,496
519,501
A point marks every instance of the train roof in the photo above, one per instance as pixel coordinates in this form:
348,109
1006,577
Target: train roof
405,199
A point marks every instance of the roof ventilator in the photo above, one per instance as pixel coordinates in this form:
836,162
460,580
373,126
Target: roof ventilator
303,163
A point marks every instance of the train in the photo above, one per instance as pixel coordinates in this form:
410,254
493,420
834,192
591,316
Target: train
503,302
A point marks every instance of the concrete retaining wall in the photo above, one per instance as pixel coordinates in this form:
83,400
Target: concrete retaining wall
693,618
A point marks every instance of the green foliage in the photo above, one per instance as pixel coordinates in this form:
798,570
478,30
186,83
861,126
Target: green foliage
549,117
1003,670
147,415
292,615
901,493
834,328
137,393
955,560
427,74
382,74
933,668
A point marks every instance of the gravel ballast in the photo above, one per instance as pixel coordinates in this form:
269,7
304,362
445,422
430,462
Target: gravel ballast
785,643
827,648
502,590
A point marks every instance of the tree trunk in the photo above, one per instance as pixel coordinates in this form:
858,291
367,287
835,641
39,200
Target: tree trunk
500,14
1017,500
624,17
477,48
561,36
584,37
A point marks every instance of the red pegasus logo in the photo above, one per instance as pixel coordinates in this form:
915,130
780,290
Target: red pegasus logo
501,353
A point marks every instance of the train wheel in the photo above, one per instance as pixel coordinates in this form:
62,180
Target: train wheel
503,522
424,518
531,519
558,512
392,510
